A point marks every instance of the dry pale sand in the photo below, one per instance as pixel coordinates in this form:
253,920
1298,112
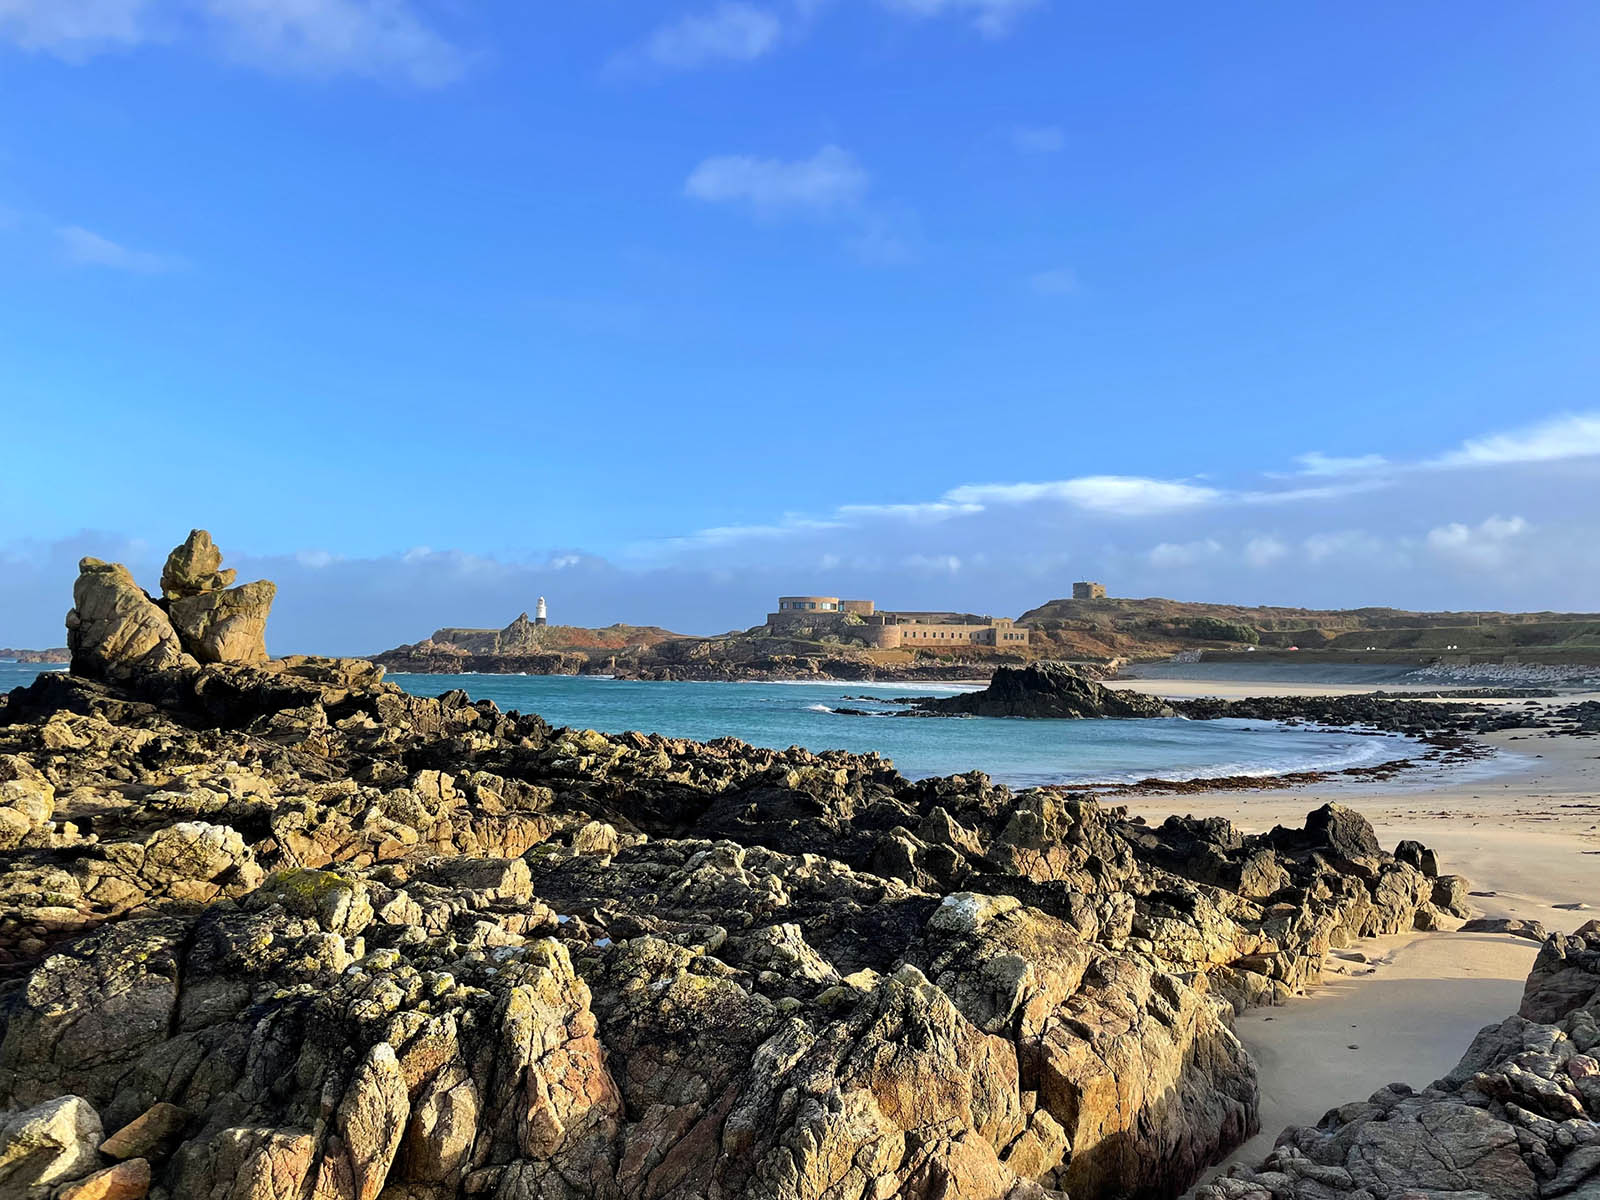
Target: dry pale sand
1524,826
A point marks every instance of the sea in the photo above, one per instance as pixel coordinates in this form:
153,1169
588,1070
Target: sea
1020,753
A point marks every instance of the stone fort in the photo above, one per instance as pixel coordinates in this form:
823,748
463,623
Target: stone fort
886,630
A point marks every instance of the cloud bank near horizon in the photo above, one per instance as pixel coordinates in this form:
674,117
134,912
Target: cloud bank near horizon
1504,520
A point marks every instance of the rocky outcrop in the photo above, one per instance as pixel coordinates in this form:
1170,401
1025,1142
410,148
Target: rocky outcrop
1516,1119
366,941
287,931
1046,689
115,630
225,626
194,568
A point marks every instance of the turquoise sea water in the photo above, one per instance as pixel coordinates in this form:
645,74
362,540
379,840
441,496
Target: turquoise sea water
1016,752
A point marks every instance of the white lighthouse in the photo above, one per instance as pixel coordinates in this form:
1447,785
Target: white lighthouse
539,613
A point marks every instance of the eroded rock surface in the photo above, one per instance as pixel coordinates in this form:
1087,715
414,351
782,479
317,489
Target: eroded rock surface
285,931
1516,1119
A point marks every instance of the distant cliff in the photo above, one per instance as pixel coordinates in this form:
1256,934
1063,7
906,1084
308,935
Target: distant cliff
59,654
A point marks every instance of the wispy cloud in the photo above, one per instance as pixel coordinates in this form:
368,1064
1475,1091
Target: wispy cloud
1058,281
992,18
373,38
1121,495
732,32
1484,545
1184,554
828,182
1344,543
931,510
86,248
1264,550
1038,139
939,563
1572,435
1317,463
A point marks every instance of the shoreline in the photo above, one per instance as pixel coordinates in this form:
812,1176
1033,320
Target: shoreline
1405,1008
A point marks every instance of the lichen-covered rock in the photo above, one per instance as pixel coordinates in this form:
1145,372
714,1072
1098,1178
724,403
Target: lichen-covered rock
294,933
195,567
114,629
225,626
51,1143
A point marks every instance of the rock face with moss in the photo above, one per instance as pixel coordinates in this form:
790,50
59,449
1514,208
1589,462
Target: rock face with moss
280,930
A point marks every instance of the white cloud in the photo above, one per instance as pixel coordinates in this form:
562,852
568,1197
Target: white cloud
88,249
1484,545
992,18
315,559
731,32
1263,551
1038,139
931,510
948,563
1184,554
74,28
1122,495
1320,547
828,181
1317,463
377,38
562,561
1059,281
1573,435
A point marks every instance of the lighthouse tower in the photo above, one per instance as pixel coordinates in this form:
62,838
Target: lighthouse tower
539,613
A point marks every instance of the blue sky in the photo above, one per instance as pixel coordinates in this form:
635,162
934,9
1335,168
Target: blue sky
426,307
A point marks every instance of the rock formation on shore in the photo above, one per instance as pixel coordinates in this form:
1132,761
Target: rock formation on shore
274,930
1518,1118
115,629
1046,689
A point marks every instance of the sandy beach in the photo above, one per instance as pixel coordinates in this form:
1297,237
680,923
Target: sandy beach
1523,826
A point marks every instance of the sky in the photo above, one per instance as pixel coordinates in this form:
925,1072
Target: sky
426,308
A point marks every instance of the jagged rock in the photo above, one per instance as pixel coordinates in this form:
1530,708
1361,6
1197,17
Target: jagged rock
114,629
27,802
293,932
128,1180
195,567
225,626
147,1134
1046,689
51,1143
1514,1121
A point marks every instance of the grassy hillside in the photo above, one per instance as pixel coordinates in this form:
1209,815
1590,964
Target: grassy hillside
1157,627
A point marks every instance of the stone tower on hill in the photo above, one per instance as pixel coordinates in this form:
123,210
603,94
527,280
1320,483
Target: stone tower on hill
1088,591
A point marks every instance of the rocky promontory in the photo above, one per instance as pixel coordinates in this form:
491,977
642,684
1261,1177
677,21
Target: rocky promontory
276,929
1048,690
